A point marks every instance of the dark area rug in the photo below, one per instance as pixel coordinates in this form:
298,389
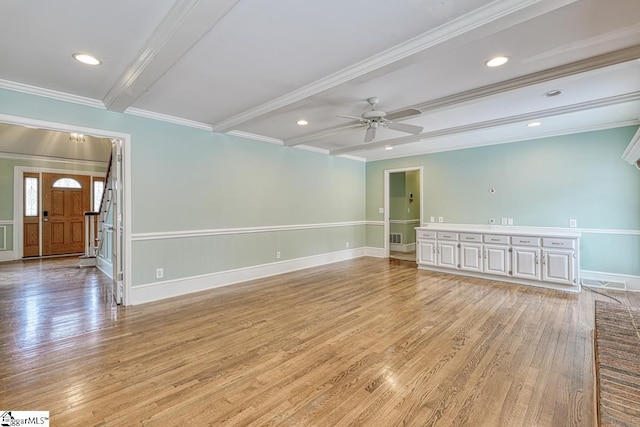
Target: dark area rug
617,357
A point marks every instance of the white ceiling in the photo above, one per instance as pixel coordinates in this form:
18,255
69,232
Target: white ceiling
253,68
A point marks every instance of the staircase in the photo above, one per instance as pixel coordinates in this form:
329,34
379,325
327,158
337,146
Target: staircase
95,222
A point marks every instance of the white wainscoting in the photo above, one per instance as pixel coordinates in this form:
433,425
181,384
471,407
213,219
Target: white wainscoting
171,288
5,255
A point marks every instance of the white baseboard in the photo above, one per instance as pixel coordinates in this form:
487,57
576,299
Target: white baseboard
621,282
105,266
7,256
407,247
160,290
374,252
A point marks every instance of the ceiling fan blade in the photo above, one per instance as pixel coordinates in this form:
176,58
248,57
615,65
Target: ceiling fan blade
351,117
405,128
403,113
370,135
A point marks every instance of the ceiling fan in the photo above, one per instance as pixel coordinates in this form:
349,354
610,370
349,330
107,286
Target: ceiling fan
375,118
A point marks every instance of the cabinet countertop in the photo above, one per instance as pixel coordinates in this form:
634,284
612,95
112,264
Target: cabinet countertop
499,229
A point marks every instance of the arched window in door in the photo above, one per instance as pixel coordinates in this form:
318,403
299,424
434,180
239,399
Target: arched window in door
66,183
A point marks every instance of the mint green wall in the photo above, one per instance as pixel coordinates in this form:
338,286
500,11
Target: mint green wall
542,182
191,179
397,201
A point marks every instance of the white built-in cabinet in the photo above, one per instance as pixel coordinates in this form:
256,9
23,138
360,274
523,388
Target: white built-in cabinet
533,257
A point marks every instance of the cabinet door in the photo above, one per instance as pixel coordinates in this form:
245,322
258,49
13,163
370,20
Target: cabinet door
526,263
497,260
558,266
448,254
471,257
427,252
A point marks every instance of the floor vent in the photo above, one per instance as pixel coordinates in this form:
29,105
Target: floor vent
395,238
604,284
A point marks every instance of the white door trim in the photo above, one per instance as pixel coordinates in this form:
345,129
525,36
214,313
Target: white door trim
387,201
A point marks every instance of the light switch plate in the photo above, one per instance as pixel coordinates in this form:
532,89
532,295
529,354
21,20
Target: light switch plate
509,221
440,219
380,210
573,223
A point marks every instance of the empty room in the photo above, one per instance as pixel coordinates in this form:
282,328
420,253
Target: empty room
420,212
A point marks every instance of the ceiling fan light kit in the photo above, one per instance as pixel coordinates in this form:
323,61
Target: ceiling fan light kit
375,118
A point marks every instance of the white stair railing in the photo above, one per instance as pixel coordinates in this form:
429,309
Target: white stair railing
95,229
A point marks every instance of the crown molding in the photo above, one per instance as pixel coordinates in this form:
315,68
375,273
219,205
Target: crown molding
631,154
334,130
351,157
255,137
492,12
36,158
167,118
573,108
313,149
48,93
436,148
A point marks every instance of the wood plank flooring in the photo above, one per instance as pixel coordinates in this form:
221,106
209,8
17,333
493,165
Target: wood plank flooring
367,342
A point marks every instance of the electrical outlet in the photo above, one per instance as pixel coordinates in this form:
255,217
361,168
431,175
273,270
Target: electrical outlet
504,221
159,273
432,219
440,219
380,210
347,244
278,255
573,223
509,221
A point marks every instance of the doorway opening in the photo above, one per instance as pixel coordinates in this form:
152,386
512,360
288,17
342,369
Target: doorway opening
403,212
65,192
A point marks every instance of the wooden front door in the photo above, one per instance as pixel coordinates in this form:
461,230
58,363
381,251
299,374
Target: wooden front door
65,198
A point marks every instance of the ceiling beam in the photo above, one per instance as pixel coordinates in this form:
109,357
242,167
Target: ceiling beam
577,67
488,14
567,70
534,115
183,26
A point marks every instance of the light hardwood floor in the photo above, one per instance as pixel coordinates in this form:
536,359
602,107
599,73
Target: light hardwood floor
366,342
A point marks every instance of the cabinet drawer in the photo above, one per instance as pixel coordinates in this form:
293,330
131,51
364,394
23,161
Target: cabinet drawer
446,235
496,239
422,234
525,241
470,237
558,243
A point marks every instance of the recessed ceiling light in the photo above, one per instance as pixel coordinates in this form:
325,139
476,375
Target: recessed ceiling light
86,59
496,61
554,92
302,122
388,147
534,124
